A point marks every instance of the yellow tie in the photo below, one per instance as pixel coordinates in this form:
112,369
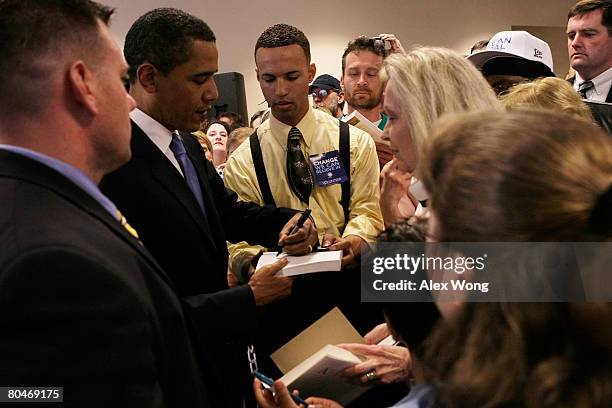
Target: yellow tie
127,226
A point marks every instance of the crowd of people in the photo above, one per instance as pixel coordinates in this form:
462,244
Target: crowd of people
132,225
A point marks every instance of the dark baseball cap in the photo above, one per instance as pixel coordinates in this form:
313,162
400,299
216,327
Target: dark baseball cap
326,82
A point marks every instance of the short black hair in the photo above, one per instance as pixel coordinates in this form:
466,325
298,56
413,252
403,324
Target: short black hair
31,30
281,35
163,37
364,43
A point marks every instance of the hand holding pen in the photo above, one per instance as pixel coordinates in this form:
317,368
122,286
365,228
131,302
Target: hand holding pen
299,235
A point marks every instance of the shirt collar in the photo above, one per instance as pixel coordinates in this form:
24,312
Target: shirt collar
157,132
306,126
599,81
70,172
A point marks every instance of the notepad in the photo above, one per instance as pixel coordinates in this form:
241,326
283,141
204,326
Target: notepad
325,261
310,361
331,328
318,375
358,120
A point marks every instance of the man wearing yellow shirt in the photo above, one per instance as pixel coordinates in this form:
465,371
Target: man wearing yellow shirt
284,72
288,141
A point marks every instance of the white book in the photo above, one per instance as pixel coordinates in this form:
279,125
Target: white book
323,261
318,375
358,120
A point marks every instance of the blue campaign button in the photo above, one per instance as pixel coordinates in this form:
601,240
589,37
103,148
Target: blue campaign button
328,168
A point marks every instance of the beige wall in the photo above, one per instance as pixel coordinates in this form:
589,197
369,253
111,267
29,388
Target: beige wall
329,25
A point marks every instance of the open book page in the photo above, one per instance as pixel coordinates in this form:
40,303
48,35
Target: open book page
358,120
324,261
318,375
387,341
332,328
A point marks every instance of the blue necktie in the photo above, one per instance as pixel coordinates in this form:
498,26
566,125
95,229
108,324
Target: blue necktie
189,172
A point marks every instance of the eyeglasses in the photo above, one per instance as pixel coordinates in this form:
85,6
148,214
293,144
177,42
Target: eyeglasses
322,93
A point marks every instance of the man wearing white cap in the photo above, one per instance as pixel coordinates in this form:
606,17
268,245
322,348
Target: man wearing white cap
512,57
589,45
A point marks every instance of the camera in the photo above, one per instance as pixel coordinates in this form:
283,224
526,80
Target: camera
378,42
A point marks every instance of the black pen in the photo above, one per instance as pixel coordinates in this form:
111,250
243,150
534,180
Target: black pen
297,226
270,382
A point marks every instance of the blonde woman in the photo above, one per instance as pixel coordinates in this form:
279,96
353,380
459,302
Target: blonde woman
548,93
538,176
422,85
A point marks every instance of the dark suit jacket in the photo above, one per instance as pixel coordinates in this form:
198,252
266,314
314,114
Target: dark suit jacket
602,112
82,304
191,247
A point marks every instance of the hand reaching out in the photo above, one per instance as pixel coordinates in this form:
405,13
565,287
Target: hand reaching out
267,287
396,45
389,364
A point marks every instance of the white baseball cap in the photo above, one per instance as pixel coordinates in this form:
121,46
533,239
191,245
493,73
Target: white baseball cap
515,53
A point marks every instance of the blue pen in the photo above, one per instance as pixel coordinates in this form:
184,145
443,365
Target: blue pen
268,381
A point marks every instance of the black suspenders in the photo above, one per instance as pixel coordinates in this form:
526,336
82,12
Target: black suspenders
260,170
345,156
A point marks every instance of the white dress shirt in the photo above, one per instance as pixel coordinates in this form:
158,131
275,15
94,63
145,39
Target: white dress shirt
158,134
602,84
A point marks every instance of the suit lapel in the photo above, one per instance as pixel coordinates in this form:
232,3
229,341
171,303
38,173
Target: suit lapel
170,179
25,169
195,153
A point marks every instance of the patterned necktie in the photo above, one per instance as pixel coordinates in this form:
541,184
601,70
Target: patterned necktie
127,226
189,172
584,87
298,170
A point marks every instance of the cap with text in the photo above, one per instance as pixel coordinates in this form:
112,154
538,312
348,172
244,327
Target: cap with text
515,53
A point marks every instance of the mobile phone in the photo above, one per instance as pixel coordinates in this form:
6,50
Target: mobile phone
270,382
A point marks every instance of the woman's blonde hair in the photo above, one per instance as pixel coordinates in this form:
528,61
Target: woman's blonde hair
200,135
548,93
431,82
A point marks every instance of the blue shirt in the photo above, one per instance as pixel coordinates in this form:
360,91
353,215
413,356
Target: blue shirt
70,172
420,396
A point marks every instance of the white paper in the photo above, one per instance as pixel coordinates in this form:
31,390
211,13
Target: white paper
324,261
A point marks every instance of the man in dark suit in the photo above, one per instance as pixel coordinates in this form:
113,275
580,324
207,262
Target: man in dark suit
177,202
83,305
589,46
